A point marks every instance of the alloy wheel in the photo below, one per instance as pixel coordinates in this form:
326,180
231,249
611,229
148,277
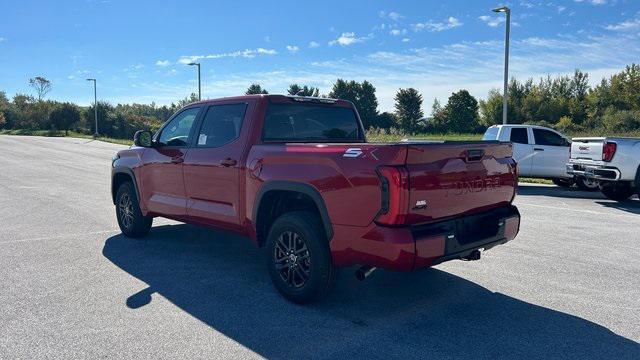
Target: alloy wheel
291,257
125,210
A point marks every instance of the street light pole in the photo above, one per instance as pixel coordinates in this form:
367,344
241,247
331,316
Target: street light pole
95,107
199,87
505,95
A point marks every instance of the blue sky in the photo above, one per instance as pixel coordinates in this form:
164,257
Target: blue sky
137,49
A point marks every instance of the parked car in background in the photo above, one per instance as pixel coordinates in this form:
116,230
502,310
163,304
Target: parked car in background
297,176
613,162
541,153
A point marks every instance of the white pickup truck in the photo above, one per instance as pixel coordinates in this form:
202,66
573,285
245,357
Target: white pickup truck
540,152
613,162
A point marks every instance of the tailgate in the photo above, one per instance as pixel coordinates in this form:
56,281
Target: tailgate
458,178
587,148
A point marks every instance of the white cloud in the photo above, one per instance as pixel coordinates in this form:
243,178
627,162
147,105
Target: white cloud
313,44
561,9
247,53
434,71
492,21
398,32
346,39
405,40
292,48
625,25
2,39
393,16
163,63
593,2
449,23
71,77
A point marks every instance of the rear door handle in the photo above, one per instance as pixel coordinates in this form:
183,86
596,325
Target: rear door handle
177,160
228,162
538,149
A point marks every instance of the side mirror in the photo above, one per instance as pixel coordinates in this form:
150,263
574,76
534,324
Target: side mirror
142,138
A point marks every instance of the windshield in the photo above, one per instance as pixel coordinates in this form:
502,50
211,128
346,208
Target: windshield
311,123
490,134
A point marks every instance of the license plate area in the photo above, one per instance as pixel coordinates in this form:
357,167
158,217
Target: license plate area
468,232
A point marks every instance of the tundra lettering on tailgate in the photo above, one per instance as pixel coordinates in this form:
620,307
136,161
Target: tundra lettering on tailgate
472,186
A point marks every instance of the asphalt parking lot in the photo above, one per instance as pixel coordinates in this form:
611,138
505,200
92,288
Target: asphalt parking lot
73,287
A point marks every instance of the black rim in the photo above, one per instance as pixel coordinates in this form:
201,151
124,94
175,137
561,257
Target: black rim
291,257
125,210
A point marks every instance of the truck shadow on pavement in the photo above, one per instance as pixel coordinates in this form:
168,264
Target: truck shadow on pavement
632,205
220,279
556,191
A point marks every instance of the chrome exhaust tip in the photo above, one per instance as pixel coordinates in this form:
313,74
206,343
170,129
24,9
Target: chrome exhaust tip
364,272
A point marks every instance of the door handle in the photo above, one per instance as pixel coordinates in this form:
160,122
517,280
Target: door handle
538,149
228,162
177,160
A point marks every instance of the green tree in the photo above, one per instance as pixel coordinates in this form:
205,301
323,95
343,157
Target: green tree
363,96
385,120
367,104
491,109
255,89
461,113
345,90
41,85
295,89
408,109
64,116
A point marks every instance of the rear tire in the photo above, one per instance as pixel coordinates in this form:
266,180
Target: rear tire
298,258
585,184
638,182
565,183
618,191
130,219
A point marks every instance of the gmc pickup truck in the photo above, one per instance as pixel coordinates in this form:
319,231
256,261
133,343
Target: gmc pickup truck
297,176
613,162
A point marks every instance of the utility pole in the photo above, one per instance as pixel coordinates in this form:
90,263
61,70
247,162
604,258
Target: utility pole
199,87
505,95
95,106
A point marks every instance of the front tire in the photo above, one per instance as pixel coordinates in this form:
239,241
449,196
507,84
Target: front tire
619,191
585,184
130,219
298,258
565,183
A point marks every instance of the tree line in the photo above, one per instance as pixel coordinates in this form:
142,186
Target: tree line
565,102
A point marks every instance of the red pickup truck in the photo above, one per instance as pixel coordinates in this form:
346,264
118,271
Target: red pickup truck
297,176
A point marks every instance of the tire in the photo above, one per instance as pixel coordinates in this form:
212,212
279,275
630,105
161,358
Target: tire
298,258
638,182
565,183
130,219
585,184
619,191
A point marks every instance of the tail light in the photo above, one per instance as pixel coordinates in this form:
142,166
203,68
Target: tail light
608,150
395,195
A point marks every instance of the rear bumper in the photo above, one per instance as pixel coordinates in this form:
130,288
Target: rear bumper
595,172
414,247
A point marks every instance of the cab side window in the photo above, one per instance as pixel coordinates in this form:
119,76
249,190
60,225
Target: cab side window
176,132
549,138
519,136
221,125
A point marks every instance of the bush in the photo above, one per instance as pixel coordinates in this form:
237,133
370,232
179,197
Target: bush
620,120
566,125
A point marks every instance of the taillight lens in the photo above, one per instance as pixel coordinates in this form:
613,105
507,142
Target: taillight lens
608,150
395,195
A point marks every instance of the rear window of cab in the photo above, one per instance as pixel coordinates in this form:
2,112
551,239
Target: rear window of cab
310,123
